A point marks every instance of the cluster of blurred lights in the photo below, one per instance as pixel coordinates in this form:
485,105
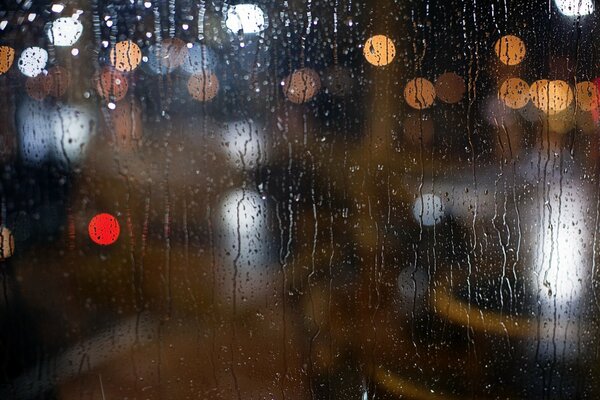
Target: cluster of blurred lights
549,96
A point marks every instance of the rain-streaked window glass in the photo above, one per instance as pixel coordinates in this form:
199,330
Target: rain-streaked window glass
299,199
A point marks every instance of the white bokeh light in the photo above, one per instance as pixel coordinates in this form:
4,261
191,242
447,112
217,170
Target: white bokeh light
244,143
53,132
575,8
64,31
33,60
428,209
248,18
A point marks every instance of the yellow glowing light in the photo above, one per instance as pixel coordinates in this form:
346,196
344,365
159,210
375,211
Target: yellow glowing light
203,86
125,56
302,85
551,96
7,56
510,49
450,88
514,93
379,50
419,93
7,243
587,95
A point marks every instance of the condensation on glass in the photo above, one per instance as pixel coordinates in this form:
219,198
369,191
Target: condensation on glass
299,199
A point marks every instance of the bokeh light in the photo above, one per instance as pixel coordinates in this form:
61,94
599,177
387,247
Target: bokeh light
302,85
33,60
450,88
551,96
510,50
419,93
111,84
246,18
245,143
64,31
7,57
104,229
586,93
379,50
575,8
203,86
428,209
514,93
7,243
125,56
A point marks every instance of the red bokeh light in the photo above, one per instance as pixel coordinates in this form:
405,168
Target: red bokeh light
104,229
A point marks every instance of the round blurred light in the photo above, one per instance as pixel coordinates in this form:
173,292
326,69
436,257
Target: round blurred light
514,93
199,58
301,85
57,81
450,88
510,49
125,56
203,86
575,8
111,85
104,229
244,143
551,96
245,18
64,31
7,56
379,50
7,243
586,94
53,132
428,209
419,93
33,60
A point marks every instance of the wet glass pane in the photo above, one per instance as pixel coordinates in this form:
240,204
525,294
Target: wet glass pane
299,199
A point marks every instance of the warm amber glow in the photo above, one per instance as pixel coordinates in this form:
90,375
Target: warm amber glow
125,56
302,85
112,85
36,87
551,96
514,93
203,86
7,56
510,49
419,93
587,95
450,88
57,81
7,243
379,50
